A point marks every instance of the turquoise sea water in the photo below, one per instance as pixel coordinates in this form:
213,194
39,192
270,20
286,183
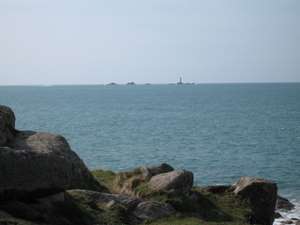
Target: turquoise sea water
218,131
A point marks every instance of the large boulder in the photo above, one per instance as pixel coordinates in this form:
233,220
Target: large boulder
180,181
262,195
7,125
37,164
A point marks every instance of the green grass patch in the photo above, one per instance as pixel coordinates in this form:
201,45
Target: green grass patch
143,190
105,177
230,204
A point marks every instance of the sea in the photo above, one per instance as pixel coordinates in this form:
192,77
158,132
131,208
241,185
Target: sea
219,131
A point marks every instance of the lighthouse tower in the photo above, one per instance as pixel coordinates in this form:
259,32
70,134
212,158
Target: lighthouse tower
180,81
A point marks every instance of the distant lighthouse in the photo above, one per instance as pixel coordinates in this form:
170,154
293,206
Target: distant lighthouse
180,81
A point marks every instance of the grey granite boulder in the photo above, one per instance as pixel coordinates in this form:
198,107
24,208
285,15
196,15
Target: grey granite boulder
178,181
36,164
262,195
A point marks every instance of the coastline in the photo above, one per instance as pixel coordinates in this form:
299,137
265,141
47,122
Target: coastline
49,182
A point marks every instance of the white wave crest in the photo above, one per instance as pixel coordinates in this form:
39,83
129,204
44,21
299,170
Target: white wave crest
289,215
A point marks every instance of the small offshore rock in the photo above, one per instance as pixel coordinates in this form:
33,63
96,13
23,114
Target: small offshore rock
178,181
277,215
283,203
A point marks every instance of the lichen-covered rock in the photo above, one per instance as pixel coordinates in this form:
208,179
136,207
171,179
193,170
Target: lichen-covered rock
178,181
37,164
262,195
151,210
7,125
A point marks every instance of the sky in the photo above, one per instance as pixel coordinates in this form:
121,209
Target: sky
46,42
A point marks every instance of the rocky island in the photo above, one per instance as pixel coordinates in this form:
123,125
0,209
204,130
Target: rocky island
43,182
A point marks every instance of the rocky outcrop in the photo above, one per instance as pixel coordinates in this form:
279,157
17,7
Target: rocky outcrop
177,181
284,204
200,205
36,164
136,210
262,195
43,182
162,178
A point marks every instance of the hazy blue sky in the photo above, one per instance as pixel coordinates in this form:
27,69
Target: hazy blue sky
95,41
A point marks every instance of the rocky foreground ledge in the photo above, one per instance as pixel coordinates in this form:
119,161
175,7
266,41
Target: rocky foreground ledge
42,181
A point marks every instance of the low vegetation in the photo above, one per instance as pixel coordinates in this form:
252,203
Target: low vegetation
105,177
200,207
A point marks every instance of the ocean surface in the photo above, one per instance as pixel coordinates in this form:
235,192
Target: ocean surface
218,131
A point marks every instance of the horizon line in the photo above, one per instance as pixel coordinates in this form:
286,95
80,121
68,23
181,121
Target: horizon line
148,83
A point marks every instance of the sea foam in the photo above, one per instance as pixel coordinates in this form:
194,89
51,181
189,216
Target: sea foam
289,215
